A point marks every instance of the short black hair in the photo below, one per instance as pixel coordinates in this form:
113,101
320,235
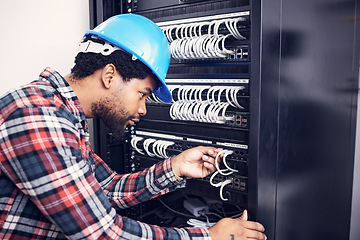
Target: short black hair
87,63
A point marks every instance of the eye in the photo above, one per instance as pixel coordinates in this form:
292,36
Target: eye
142,94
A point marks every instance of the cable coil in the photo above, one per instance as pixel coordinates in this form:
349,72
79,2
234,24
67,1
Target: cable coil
224,172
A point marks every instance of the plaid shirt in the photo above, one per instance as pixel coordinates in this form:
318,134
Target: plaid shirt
52,186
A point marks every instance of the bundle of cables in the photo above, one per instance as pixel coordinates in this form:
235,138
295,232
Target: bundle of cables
158,148
201,40
191,106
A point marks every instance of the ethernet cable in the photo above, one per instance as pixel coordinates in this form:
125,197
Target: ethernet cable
226,182
146,145
134,141
198,223
228,170
159,147
190,42
224,172
154,149
192,107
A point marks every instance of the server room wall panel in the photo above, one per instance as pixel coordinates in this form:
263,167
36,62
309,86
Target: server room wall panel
317,112
355,210
263,135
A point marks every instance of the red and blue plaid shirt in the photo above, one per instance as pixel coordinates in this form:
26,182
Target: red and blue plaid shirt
52,186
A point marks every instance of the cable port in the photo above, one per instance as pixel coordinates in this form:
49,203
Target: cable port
239,184
245,53
230,120
242,53
236,120
244,121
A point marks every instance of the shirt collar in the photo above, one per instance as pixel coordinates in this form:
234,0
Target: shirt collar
62,86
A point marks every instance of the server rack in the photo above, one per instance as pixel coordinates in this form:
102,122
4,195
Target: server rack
294,97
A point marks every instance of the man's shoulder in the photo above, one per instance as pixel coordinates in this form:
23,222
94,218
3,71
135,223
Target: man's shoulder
29,94
33,95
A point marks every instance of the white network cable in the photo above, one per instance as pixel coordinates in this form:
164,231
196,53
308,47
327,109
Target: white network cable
146,145
159,147
187,41
199,223
226,182
134,141
223,172
190,105
228,170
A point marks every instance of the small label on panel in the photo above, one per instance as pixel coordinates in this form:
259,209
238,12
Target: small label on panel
198,140
233,145
234,81
159,135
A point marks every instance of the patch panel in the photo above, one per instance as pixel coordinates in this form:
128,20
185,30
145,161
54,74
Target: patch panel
231,173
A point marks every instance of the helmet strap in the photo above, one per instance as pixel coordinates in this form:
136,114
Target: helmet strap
95,47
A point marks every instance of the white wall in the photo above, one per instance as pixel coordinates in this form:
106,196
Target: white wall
36,34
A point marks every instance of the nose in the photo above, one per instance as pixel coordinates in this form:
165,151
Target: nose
142,108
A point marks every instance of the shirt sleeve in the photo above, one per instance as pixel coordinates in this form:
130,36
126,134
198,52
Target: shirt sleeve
45,159
125,190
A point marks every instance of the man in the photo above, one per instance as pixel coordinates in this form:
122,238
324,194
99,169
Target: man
53,186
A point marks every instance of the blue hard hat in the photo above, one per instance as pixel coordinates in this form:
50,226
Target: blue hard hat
144,40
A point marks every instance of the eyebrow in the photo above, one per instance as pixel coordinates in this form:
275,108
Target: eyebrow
148,90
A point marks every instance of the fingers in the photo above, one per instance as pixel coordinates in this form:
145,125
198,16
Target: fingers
237,228
209,156
259,236
210,153
255,230
249,224
253,226
256,235
209,162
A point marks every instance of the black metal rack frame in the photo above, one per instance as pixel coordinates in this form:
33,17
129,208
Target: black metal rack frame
302,94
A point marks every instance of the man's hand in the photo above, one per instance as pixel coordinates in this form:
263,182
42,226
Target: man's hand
237,229
196,162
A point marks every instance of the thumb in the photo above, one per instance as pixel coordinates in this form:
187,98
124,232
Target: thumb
244,216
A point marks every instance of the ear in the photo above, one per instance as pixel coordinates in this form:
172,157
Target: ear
107,75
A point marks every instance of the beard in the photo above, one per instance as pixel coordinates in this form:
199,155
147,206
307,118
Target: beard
115,121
